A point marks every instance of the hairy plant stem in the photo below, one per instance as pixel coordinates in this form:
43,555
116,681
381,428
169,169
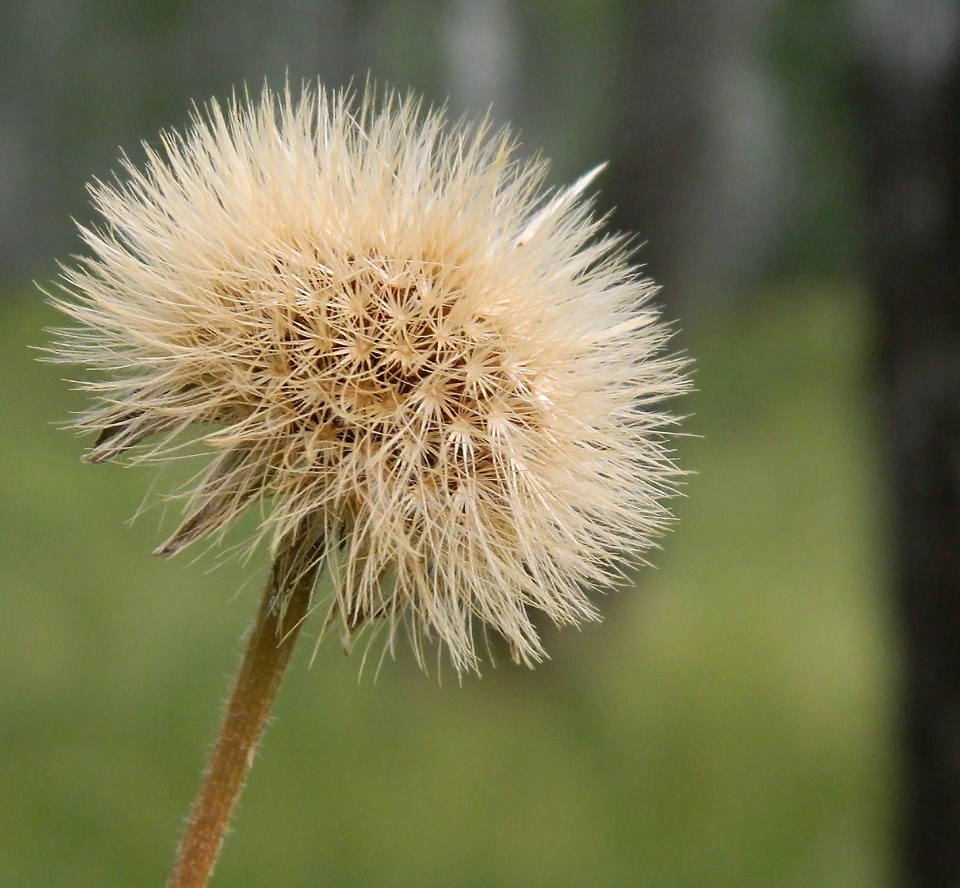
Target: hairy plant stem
285,604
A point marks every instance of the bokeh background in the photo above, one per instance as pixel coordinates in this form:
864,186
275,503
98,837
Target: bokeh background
737,720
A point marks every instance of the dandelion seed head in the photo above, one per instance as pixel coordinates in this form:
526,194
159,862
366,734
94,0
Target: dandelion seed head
385,328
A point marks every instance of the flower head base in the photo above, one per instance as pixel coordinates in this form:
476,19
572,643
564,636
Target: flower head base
441,380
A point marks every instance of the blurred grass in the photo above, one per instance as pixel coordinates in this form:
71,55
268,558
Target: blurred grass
727,726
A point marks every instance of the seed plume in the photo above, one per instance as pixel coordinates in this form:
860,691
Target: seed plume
442,382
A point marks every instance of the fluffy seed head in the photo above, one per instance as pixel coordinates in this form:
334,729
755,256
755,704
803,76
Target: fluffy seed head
433,371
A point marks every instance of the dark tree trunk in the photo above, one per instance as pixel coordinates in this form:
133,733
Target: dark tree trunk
912,130
663,109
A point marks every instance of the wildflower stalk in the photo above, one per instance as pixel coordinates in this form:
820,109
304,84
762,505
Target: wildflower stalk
387,332
285,604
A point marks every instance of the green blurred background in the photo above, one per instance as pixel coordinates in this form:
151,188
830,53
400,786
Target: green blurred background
731,723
